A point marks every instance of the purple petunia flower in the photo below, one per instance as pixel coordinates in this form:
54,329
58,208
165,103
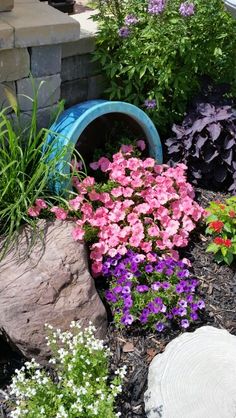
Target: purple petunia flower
124,32
127,319
156,7
159,326
118,289
165,285
182,311
131,20
148,268
142,288
201,304
183,303
194,316
156,286
187,9
126,290
158,301
110,297
184,323
183,273
128,302
150,103
179,288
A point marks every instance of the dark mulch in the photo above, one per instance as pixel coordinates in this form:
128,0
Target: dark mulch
136,348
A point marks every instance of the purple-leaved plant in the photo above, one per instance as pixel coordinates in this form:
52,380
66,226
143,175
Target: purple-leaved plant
206,143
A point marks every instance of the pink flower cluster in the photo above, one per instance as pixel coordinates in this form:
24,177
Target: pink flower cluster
150,208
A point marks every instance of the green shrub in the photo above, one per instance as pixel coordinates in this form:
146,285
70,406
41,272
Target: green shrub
80,389
157,60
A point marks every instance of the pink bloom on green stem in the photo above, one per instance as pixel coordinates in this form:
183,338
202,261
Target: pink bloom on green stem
34,211
59,213
40,203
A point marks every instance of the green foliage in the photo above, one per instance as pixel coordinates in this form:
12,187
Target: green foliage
25,170
221,224
80,389
165,55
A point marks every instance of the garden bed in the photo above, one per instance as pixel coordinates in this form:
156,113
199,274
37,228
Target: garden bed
136,348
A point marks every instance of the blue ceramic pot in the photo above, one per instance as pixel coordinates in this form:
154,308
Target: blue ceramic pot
73,121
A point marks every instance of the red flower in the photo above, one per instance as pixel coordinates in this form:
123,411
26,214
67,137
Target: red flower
221,241
232,214
216,225
218,241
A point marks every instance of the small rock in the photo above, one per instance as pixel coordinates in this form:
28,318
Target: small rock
195,377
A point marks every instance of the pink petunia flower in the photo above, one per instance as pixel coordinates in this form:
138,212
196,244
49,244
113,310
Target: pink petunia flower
40,203
59,213
34,211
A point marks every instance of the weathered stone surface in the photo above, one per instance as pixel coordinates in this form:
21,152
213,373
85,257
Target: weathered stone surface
96,87
85,45
195,377
78,66
14,64
48,91
38,24
45,60
3,97
49,284
87,24
6,5
74,91
6,36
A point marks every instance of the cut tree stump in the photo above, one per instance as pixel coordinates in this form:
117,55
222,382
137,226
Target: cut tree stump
195,377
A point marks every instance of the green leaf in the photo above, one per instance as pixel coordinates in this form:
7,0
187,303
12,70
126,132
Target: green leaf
212,248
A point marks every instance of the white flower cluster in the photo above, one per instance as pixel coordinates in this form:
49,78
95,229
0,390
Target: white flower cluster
81,364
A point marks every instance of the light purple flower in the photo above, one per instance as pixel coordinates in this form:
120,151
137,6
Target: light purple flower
156,286
142,288
156,7
124,32
165,285
150,103
201,304
131,20
159,326
183,303
187,9
184,323
126,290
182,312
127,319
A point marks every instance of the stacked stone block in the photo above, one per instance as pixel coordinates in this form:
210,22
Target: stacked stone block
44,51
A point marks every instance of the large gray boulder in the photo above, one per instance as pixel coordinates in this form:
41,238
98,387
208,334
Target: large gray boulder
195,377
46,282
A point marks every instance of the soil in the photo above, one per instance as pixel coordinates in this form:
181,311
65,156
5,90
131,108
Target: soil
136,349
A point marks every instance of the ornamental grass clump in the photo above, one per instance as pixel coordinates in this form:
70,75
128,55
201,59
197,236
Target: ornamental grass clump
221,224
152,291
155,52
80,388
142,206
206,143
25,170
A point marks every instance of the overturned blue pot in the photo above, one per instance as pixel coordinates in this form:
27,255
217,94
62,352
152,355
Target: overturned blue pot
73,122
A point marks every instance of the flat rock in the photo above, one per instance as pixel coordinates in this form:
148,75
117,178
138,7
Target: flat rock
195,377
47,282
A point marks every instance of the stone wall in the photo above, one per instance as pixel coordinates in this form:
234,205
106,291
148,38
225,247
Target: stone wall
41,48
